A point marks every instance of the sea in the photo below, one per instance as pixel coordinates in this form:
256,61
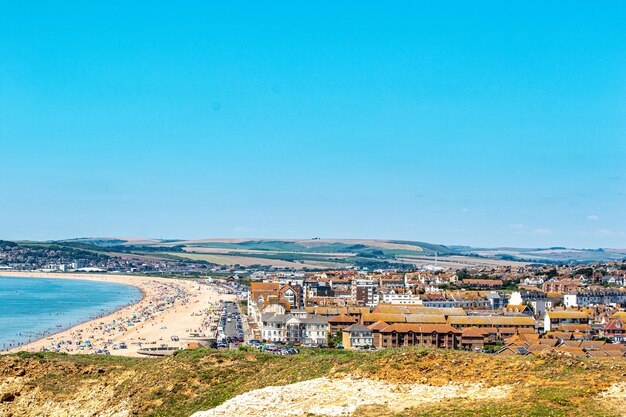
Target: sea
32,308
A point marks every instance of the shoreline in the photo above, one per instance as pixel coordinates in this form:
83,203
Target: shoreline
165,301
75,277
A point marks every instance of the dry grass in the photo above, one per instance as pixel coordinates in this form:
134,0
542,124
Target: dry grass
202,379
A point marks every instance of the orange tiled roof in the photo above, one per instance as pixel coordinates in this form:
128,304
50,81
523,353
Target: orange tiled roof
342,318
537,348
616,353
264,286
559,335
573,350
554,294
453,311
419,328
567,314
474,332
546,342
598,354
425,318
389,318
592,344
390,309
615,346
574,328
378,325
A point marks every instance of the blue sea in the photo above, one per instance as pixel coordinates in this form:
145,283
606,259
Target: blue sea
31,308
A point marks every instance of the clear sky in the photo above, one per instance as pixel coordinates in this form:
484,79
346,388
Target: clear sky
455,123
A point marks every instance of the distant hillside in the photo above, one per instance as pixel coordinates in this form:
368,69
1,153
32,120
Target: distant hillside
337,253
280,253
547,255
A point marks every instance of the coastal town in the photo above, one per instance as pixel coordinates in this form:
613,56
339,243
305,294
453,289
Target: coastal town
64,258
313,209
496,309
394,327
578,309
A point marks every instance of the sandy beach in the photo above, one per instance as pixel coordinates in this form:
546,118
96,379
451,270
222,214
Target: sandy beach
170,307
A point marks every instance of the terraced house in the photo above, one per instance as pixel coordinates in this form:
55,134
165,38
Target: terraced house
288,328
340,322
357,336
272,297
441,336
472,319
555,320
614,330
505,326
595,298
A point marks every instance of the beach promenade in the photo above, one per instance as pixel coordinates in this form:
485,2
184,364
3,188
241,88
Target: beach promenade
169,312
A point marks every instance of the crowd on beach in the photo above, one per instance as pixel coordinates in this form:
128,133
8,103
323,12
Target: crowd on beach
28,337
97,336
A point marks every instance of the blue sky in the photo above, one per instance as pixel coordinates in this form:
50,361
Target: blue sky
452,123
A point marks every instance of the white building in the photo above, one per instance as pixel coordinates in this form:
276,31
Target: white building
570,300
594,298
516,299
532,281
391,297
357,336
288,328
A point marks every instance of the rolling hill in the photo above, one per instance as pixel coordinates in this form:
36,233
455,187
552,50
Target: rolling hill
336,253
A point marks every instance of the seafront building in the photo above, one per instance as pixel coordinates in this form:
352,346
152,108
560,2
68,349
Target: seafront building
387,309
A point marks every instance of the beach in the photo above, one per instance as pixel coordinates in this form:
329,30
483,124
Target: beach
170,311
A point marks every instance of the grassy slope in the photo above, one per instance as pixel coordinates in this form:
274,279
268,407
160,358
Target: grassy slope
287,251
201,379
429,248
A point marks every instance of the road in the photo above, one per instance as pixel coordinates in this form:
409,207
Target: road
230,328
